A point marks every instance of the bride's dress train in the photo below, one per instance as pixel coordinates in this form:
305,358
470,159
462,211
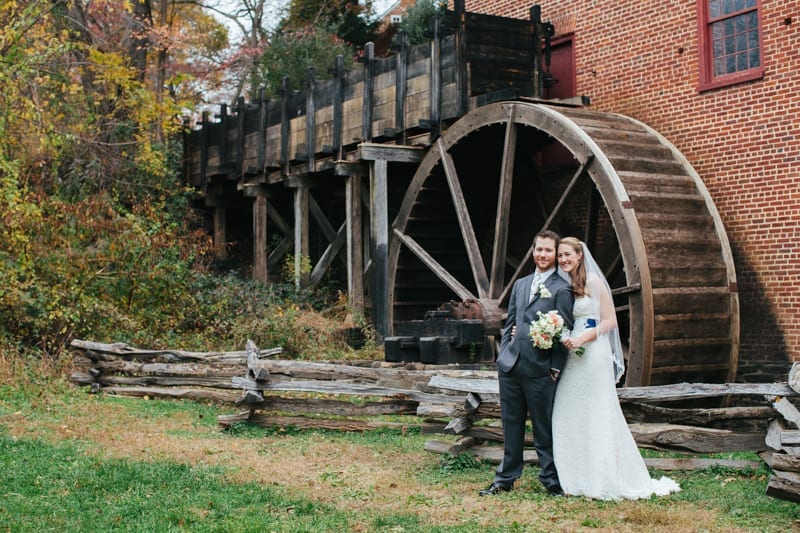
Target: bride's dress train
593,449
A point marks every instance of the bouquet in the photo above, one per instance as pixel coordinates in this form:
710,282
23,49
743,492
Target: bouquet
546,330
549,328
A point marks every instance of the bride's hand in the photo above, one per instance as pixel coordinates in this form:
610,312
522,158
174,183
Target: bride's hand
513,330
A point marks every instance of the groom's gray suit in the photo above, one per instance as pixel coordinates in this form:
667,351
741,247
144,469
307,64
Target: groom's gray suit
524,374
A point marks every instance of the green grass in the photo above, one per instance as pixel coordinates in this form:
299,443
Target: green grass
53,483
59,488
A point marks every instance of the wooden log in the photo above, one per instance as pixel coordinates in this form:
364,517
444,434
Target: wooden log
175,393
463,445
327,406
471,403
450,410
773,436
490,454
790,438
303,422
121,349
785,462
784,486
458,425
679,391
347,389
690,463
254,371
642,412
787,410
695,439
252,397
794,377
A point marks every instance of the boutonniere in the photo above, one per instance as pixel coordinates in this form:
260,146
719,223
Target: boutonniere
543,291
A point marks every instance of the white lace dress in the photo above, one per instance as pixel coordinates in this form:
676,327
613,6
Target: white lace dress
593,449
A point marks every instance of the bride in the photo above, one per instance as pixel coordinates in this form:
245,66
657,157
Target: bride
593,449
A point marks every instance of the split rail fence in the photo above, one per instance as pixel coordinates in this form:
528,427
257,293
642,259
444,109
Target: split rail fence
456,400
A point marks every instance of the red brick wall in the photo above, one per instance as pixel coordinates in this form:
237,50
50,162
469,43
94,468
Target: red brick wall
641,59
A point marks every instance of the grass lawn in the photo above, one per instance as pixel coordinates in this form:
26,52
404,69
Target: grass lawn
70,461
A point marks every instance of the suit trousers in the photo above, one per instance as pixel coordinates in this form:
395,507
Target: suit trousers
520,395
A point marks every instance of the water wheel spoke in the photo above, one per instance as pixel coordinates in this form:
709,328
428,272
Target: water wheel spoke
550,222
499,250
435,267
464,222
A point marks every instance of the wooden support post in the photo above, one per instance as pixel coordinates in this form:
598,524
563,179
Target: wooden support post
338,106
301,244
462,89
355,252
223,140
311,120
366,114
400,89
239,160
262,130
536,51
204,152
220,233
436,79
260,236
285,126
379,218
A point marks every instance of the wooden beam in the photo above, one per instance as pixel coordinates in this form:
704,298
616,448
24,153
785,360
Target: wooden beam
301,244
260,238
355,251
379,222
220,233
435,267
390,152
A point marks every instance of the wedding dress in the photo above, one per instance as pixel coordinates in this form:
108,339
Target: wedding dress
593,449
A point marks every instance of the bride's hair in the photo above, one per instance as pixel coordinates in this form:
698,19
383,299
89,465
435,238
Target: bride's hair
578,276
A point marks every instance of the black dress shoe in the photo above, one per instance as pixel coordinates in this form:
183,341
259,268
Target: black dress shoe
493,489
555,490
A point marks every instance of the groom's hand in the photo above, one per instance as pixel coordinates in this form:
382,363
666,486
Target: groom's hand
554,373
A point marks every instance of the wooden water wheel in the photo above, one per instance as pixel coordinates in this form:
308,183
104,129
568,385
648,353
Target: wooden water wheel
504,171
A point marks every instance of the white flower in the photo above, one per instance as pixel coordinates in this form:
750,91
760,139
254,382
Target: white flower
543,291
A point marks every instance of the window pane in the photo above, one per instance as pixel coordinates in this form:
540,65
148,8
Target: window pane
752,39
755,59
727,6
714,8
741,42
741,62
730,45
719,67
733,38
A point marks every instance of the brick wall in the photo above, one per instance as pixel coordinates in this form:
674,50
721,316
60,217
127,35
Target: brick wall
640,59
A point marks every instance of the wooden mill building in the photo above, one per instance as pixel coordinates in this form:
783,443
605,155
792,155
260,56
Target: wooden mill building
417,180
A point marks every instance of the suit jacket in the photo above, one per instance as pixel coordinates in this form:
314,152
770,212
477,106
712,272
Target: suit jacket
519,350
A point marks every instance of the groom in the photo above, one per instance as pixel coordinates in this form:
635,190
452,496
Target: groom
528,375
